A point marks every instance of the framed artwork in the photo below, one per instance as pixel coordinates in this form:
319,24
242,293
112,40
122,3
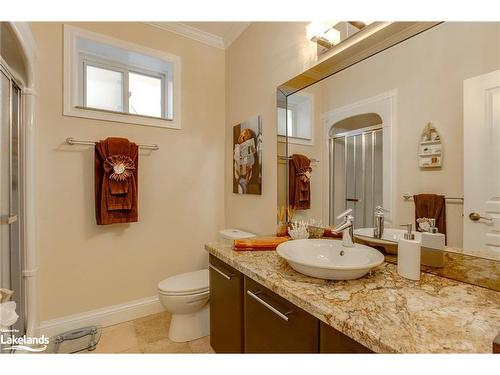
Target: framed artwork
247,157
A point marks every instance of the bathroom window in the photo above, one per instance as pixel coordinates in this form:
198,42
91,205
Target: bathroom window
108,79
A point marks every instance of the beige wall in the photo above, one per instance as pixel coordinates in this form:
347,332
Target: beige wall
83,266
266,55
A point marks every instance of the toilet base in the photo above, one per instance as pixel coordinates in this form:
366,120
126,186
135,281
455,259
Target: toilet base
188,327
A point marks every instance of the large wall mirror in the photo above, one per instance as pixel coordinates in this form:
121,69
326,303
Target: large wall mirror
420,117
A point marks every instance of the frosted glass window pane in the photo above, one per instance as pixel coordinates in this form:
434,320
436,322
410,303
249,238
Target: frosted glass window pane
104,89
145,95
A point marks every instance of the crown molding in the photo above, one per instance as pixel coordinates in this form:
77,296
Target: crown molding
234,33
191,32
205,37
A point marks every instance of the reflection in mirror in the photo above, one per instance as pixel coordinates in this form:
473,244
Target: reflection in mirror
355,167
363,127
295,121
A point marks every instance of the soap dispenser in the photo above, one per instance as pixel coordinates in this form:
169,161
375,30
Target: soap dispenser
409,255
433,244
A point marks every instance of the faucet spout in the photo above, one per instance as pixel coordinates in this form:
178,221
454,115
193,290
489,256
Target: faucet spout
347,229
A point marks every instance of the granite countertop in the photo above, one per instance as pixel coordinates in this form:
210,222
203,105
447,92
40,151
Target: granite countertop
382,311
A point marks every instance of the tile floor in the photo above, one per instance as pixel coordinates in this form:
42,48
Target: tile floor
147,335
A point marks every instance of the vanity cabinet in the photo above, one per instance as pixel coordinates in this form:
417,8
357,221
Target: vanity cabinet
226,307
246,317
274,325
333,341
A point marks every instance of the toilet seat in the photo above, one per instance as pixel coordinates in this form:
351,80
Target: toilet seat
190,283
184,294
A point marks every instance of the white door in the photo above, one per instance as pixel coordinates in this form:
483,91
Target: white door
482,163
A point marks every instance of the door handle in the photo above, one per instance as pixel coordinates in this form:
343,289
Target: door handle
352,200
223,274
8,219
474,216
256,297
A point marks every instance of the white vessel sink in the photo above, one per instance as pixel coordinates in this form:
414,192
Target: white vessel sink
389,237
329,259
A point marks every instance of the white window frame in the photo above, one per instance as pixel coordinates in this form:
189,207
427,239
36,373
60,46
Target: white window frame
74,80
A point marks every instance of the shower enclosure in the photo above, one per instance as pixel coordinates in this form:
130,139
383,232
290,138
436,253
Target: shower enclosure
356,168
11,254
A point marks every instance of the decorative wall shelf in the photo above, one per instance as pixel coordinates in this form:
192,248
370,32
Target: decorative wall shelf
430,148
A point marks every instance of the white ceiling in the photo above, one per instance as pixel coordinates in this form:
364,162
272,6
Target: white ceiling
216,34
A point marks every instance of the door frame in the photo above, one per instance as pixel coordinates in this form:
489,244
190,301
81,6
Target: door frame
22,32
385,105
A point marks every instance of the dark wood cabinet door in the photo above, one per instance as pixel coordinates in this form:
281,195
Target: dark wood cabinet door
226,307
333,341
274,325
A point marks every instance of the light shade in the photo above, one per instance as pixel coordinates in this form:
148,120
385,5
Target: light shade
317,29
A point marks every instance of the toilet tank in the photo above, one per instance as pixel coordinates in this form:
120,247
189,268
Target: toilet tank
229,235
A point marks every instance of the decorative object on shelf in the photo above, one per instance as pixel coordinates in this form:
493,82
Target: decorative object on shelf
298,230
424,224
430,148
315,228
281,229
247,157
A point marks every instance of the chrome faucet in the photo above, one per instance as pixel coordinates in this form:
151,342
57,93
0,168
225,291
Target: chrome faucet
378,229
347,228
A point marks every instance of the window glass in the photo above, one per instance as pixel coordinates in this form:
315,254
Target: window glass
104,89
285,122
145,95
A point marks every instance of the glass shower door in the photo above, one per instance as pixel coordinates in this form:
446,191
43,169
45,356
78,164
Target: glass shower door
11,256
356,180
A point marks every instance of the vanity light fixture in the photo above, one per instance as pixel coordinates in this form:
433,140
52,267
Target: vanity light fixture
323,33
328,34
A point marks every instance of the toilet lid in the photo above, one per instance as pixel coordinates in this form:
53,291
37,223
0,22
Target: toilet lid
185,283
235,234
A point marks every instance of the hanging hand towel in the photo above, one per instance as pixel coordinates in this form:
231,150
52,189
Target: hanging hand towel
115,176
299,175
431,206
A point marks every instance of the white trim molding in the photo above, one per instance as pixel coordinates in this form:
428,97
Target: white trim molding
217,41
103,317
72,101
385,105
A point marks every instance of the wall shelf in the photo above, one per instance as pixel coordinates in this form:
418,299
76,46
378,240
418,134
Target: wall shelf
430,148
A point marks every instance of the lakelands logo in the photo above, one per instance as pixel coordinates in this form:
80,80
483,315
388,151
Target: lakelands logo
30,344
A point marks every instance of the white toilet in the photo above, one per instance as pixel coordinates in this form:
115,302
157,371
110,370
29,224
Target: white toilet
186,297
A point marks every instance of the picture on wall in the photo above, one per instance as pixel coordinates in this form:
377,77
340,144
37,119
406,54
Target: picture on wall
247,157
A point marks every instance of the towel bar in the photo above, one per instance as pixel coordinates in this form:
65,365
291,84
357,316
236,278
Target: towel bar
289,158
72,141
408,196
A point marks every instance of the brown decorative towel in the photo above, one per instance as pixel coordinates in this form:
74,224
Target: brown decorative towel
299,186
431,206
115,180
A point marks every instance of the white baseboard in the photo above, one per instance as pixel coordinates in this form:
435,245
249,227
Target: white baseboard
104,317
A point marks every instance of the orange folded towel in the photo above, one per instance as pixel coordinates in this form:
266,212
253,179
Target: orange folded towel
261,243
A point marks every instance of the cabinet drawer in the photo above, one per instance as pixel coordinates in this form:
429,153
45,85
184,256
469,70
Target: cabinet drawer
333,341
274,325
226,307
